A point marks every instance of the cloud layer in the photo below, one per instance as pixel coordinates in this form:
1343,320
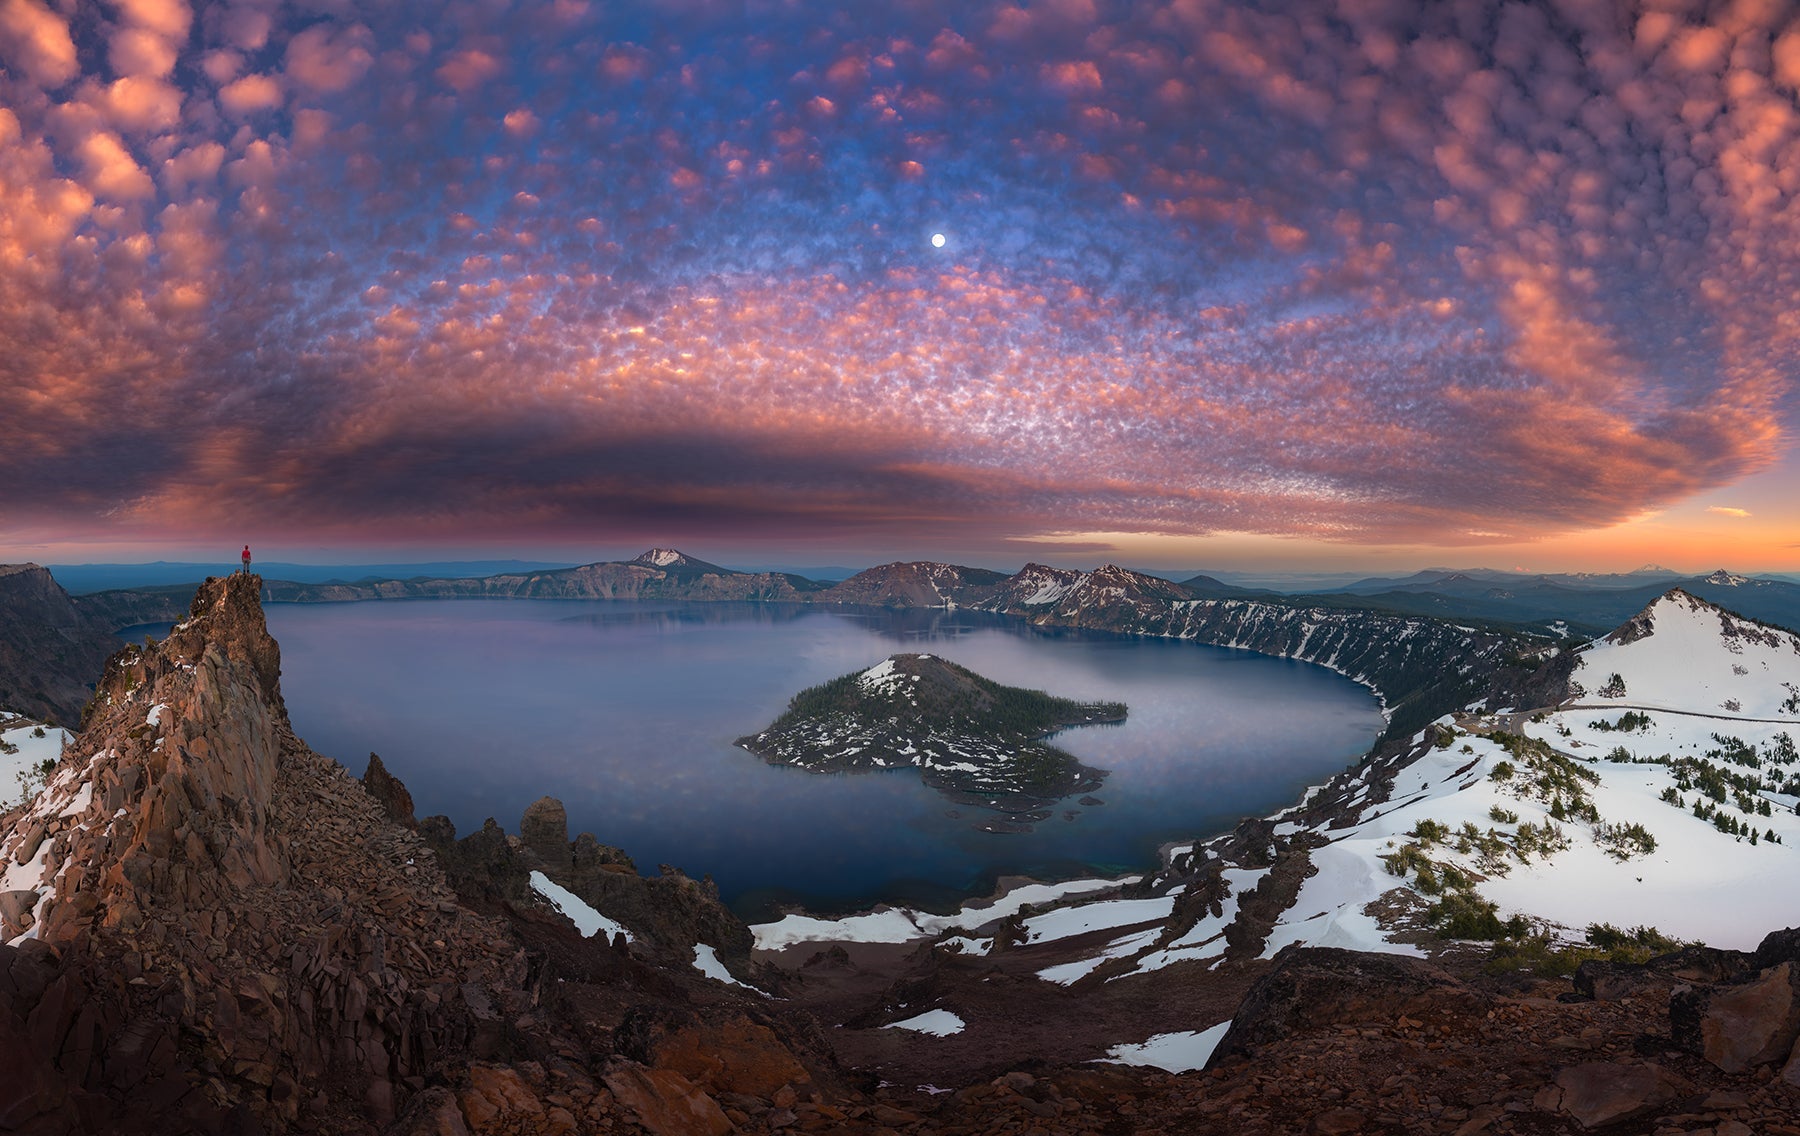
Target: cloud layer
1362,271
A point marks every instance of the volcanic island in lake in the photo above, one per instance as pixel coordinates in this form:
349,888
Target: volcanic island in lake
973,740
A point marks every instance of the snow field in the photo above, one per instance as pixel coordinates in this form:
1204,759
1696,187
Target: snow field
32,752
1174,1052
937,1023
588,921
900,925
706,961
1698,883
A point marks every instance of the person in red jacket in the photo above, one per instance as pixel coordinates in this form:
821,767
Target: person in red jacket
246,559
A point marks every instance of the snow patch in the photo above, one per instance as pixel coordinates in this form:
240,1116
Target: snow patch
937,1023
588,921
900,925
706,961
1174,1052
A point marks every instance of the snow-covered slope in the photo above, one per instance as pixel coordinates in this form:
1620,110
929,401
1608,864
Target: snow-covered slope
1682,653
24,748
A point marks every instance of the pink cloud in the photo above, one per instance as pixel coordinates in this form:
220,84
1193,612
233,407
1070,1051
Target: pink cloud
169,18
140,51
142,105
469,69
193,167
251,94
327,59
1074,77
37,42
112,172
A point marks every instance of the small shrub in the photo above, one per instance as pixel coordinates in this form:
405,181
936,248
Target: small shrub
1502,771
1623,841
1428,832
1502,816
1465,915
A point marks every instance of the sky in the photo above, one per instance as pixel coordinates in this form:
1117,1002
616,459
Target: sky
1355,283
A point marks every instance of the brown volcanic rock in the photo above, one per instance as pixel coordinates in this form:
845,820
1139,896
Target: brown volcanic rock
916,584
545,829
203,869
1313,987
1598,1093
389,792
1742,1025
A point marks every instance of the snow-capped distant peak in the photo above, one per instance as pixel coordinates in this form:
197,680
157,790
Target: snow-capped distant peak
1727,579
661,558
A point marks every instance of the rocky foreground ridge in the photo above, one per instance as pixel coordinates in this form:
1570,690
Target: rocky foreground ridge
210,928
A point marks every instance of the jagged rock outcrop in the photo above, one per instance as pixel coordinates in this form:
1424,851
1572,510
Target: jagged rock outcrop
388,791
669,913
236,918
545,829
50,650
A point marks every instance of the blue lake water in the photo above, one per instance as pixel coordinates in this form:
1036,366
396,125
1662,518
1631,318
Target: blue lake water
628,712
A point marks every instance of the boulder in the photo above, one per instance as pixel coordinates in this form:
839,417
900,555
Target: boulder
498,1100
1741,1026
665,1102
733,1055
1776,948
432,1113
1598,1093
1315,987
16,912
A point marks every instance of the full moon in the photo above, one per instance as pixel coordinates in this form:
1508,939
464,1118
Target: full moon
937,240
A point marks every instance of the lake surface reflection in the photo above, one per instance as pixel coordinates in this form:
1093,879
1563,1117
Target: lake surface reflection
627,712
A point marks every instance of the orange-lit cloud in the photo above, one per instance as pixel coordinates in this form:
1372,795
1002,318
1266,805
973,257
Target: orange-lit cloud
1338,273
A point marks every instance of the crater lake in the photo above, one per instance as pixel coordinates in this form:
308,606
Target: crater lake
628,711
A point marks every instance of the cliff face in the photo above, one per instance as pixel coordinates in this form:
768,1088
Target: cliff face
657,575
50,650
916,584
1421,667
